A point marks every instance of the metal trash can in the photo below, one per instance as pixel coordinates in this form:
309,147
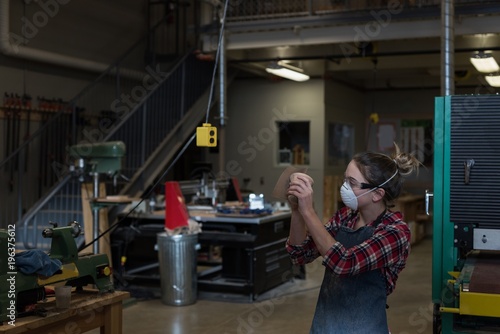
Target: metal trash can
177,259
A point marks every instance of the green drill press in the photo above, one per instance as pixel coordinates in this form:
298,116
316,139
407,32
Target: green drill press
97,159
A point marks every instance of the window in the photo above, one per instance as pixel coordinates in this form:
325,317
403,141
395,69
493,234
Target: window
293,144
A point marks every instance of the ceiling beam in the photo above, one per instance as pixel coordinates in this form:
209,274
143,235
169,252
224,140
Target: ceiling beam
356,33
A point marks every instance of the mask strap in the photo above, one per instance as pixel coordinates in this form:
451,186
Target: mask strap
393,175
373,189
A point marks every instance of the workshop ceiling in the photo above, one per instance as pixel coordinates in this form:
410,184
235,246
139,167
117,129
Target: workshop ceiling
404,55
401,64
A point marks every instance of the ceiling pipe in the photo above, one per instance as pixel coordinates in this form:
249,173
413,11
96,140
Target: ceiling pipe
20,51
9,49
222,89
222,80
447,48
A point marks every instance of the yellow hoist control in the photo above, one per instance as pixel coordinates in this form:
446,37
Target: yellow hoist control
206,135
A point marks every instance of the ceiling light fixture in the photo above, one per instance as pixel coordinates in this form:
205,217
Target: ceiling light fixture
493,80
287,71
484,62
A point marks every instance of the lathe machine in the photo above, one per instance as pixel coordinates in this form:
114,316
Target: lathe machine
19,291
466,238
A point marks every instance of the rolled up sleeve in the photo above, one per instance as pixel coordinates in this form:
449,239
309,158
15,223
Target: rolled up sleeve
304,253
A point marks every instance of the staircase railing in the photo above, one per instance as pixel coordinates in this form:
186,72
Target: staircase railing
139,106
143,128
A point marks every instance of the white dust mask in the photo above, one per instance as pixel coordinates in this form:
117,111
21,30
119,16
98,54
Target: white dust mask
349,197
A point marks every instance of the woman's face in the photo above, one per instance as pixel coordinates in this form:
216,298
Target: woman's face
355,179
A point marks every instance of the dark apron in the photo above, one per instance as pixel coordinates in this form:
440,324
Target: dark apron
355,304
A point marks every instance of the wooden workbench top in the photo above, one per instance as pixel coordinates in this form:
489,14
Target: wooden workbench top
87,307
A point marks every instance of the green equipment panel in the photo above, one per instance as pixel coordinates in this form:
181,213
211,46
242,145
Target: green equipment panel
466,213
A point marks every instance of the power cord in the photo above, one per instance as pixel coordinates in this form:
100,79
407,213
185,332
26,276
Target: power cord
186,145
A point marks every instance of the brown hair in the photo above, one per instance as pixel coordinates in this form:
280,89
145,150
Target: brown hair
378,168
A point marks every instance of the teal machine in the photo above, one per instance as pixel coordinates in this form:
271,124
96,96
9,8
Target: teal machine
466,238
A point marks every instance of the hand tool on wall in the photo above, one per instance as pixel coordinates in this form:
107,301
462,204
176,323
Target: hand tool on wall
27,135
7,112
16,138
53,148
26,101
16,120
42,154
6,100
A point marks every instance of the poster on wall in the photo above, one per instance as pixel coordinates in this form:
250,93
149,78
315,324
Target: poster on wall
411,135
417,138
386,136
340,144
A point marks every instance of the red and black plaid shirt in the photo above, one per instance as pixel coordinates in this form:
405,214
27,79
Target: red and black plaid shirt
387,249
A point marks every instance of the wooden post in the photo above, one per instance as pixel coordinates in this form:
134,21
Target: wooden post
104,242
331,195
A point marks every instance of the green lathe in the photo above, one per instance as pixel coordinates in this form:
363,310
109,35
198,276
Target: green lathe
20,292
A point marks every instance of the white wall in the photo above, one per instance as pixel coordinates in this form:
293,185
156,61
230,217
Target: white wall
254,106
408,104
347,106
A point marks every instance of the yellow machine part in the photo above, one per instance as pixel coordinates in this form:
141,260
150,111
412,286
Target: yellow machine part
69,270
478,304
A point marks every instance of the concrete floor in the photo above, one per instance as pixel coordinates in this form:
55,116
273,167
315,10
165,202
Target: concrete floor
287,309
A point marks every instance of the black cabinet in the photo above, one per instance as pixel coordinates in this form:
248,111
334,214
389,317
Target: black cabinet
253,256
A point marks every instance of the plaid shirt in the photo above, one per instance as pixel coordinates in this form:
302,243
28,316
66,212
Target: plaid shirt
387,249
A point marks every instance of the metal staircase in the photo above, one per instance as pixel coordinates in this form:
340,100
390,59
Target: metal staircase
153,108
153,130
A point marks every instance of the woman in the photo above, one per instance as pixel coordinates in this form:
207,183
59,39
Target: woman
364,246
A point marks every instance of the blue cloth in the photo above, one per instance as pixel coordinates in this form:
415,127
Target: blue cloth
37,261
352,305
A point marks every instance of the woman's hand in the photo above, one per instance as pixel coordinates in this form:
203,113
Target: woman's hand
300,192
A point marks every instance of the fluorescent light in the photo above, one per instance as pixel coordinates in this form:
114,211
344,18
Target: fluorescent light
287,71
493,80
484,63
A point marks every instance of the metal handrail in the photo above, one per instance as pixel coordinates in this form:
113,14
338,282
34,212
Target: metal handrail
30,204
130,137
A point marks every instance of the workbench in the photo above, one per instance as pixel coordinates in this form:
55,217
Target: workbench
89,310
253,256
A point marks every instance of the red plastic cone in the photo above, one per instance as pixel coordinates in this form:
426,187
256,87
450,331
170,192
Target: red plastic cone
176,213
